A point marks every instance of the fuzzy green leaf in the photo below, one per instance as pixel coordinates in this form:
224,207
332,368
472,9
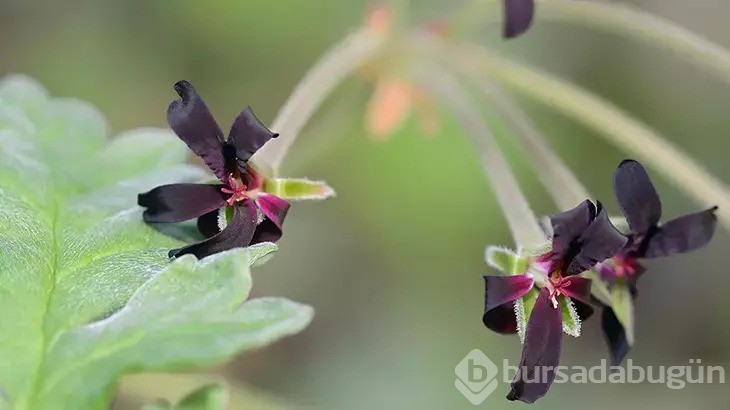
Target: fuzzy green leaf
87,292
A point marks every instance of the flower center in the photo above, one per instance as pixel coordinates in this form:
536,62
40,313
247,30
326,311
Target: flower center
238,192
558,284
625,265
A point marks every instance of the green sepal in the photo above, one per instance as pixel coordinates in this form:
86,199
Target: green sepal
523,309
623,307
571,320
525,305
506,260
298,189
537,249
599,289
225,214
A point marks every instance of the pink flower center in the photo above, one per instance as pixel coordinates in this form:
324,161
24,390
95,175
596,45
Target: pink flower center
238,192
625,265
558,284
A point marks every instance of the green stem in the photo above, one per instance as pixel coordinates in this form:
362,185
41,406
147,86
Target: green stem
521,220
560,182
312,90
622,20
617,126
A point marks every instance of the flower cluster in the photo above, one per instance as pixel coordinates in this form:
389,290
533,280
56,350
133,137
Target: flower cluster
647,239
243,207
545,294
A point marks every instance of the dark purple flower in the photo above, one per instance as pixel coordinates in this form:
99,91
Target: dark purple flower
518,15
582,237
640,205
642,209
234,213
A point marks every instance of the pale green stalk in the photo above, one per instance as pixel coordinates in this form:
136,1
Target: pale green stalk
619,127
560,182
313,89
622,20
521,220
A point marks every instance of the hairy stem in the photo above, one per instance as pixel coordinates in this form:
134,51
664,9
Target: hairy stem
622,20
521,220
331,69
560,182
617,126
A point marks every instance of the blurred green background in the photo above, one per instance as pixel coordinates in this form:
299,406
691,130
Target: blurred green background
393,265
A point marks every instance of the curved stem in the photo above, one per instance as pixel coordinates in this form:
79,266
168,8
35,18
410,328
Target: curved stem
560,182
626,21
617,126
313,89
521,220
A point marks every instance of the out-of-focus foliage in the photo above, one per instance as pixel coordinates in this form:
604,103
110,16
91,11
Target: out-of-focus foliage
208,397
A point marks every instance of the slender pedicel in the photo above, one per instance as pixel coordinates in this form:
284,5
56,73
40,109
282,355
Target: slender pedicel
560,182
608,120
620,19
522,222
313,89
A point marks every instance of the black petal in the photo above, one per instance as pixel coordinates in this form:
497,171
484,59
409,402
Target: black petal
540,353
615,336
568,226
501,319
583,310
191,120
266,231
518,15
682,234
208,223
636,196
500,292
248,134
599,241
237,234
579,289
180,202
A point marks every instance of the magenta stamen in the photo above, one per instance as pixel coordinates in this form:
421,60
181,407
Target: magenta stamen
625,265
558,288
238,192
